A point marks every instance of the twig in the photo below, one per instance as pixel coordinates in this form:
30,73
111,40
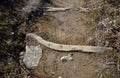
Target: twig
62,47
52,9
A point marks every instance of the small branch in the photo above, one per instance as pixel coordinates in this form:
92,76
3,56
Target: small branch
54,9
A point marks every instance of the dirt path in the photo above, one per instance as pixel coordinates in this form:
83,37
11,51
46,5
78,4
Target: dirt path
67,27
71,31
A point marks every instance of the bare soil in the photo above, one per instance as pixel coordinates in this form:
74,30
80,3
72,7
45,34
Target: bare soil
67,27
99,27
74,27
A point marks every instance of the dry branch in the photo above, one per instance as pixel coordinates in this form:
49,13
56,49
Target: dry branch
62,47
54,9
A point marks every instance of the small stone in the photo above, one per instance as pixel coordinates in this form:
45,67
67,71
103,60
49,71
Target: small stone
59,77
53,73
21,53
70,58
63,59
12,33
67,58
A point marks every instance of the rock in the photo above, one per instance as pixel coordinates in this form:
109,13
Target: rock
32,56
67,58
59,77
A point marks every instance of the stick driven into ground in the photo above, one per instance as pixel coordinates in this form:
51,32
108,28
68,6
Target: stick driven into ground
62,47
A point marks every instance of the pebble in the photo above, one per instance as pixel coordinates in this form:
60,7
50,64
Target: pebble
59,77
67,58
